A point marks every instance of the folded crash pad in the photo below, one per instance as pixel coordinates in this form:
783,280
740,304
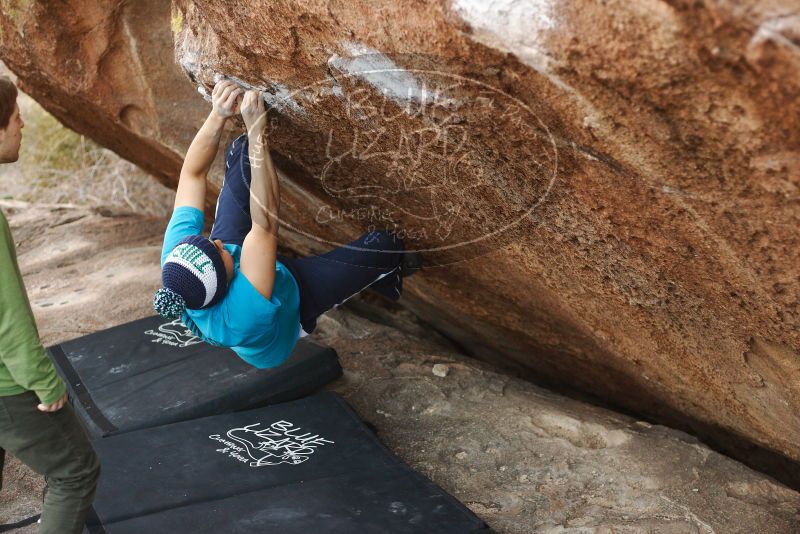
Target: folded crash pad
154,371
309,465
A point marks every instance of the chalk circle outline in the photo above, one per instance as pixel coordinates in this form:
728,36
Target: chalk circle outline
521,104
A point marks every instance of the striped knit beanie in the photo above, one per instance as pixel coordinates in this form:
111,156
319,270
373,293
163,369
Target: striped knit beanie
193,276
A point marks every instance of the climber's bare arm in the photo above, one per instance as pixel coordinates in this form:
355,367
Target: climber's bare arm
260,247
201,153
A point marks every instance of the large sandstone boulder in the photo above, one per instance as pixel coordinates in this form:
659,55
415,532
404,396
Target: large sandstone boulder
607,193
523,458
105,69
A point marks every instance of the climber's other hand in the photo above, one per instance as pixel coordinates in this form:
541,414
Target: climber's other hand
224,98
253,111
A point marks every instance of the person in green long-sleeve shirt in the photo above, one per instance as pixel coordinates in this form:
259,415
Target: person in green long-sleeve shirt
37,423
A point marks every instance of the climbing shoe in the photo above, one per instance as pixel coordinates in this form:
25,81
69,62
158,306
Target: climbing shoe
412,262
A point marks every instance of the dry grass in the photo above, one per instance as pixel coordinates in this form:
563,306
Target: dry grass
57,165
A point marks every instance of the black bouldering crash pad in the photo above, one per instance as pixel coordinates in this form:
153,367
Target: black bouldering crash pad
154,371
309,465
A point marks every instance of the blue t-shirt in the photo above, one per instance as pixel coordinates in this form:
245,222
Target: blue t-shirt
263,332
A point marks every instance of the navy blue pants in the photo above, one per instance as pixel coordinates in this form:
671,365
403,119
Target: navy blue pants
326,280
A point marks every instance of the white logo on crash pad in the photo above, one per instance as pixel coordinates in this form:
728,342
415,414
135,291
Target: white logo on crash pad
174,334
259,445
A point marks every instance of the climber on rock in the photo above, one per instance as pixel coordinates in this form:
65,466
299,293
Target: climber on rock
233,289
